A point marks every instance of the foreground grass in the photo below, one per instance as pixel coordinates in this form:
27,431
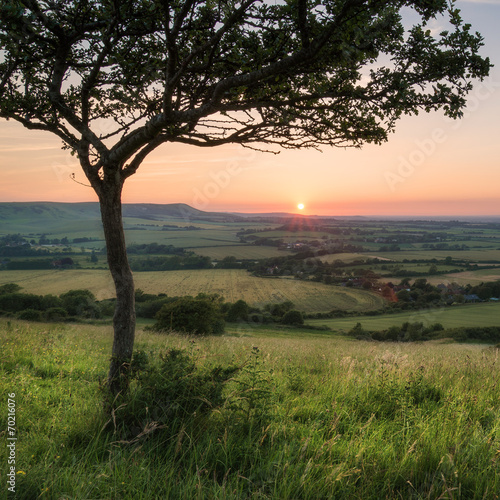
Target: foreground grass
306,417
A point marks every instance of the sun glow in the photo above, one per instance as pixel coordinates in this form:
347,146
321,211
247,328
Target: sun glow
300,206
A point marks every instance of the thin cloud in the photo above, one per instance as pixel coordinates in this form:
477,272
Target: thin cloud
21,148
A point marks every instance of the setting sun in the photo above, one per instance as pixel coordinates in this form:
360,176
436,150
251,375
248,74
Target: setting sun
300,206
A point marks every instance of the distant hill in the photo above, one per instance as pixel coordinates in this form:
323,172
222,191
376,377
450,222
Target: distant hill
183,211
36,217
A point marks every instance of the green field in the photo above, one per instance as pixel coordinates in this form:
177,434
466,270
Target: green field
304,417
232,284
292,235
487,314
244,252
490,255
472,277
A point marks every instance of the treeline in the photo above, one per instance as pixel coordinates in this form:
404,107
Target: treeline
487,291
154,249
66,306
208,313
13,245
176,262
28,265
418,332
203,314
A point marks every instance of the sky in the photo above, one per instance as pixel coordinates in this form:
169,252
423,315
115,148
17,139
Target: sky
430,166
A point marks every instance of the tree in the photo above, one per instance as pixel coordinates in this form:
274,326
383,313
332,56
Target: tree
293,317
200,315
116,79
238,311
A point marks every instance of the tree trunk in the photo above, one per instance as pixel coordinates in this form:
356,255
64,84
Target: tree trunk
124,317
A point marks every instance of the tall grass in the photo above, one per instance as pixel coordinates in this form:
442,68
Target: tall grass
304,417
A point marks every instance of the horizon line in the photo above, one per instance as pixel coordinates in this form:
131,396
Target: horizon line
235,212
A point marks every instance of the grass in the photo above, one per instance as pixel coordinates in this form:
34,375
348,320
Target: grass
241,252
233,284
305,418
487,255
469,315
472,277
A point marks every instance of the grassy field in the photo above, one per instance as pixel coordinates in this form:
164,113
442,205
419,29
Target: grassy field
252,252
487,314
472,277
292,235
304,418
472,255
348,257
233,284
462,278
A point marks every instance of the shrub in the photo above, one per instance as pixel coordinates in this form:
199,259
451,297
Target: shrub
9,288
293,317
107,307
30,315
150,308
200,315
279,310
80,303
15,302
238,311
56,314
357,330
172,391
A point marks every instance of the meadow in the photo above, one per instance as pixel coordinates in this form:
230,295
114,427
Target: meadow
298,417
470,315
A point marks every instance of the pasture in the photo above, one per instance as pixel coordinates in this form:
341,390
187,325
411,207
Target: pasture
476,255
473,277
243,252
487,314
304,417
232,284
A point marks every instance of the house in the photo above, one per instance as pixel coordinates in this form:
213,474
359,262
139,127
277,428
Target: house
61,264
472,298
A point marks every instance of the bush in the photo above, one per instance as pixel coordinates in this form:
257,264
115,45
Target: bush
238,312
171,392
56,314
279,310
16,302
293,317
80,303
150,308
357,330
9,288
30,315
200,315
107,307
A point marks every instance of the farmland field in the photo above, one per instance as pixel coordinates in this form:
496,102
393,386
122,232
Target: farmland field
489,255
450,317
252,252
233,284
472,277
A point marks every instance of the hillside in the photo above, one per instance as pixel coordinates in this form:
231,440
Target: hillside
26,217
233,284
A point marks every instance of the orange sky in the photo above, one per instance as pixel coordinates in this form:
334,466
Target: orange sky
430,166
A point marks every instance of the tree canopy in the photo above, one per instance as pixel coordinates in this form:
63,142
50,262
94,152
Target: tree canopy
115,79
